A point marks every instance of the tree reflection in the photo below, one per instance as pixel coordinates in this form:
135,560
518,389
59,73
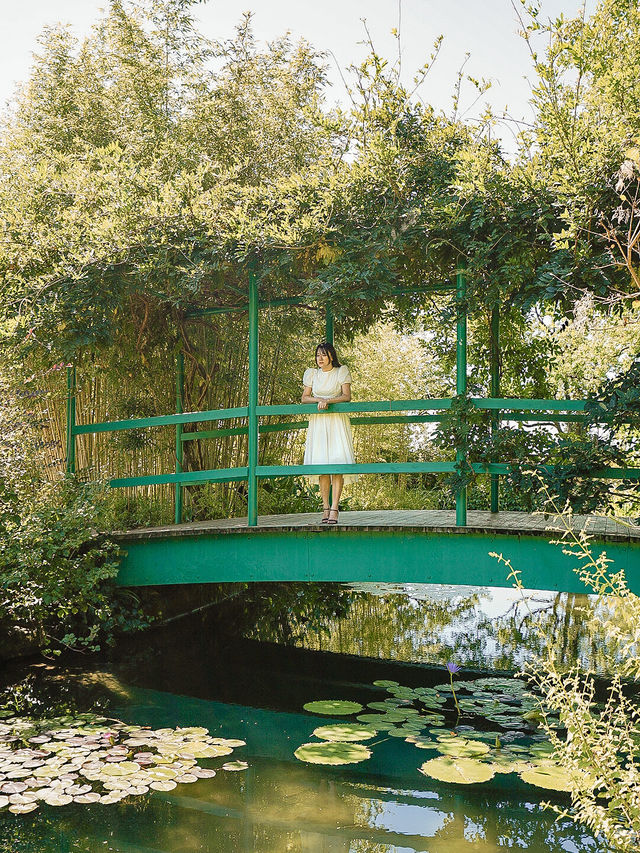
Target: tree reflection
477,627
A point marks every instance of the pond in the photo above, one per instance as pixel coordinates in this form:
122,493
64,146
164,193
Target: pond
242,671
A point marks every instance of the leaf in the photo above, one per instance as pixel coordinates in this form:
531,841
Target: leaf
333,707
553,778
344,732
332,753
462,748
461,771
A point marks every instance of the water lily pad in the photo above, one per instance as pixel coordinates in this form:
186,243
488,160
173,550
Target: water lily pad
22,808
504,762
204,750
545,749
332,753
553,777
344,732
91,797
137,790
59,799
382,682
161,774
124,768
422,742
13,787
112,797
333,707
462,771
400,731
462,748
227,741
403,692
203,772
167,785
235,765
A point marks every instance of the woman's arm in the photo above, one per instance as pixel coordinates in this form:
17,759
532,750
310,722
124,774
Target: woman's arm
307,397
345,397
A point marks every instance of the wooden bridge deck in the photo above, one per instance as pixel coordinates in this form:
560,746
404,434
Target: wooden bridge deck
428,520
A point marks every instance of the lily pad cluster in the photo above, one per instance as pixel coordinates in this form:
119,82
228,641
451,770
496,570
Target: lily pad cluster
89,759
497,731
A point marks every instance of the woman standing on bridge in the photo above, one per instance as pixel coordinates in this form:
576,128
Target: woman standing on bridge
329,435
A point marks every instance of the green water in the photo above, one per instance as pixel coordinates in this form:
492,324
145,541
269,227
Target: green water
194,673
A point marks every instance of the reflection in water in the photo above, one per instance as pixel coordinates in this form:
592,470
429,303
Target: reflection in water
279,804
278,807
195,674
475,626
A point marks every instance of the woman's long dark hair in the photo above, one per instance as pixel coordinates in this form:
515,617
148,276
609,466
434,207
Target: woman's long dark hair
328,349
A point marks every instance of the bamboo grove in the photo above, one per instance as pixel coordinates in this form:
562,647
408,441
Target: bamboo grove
144,168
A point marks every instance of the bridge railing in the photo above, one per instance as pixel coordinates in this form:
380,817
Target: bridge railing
420,411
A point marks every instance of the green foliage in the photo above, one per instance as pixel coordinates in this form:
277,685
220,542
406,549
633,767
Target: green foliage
57,567
600,751
148,164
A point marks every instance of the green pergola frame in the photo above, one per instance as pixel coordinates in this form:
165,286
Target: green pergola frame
520,409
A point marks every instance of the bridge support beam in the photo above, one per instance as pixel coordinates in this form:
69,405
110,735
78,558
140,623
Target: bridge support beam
461,382
252,485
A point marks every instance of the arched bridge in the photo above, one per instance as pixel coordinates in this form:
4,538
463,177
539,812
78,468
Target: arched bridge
398,546
414,546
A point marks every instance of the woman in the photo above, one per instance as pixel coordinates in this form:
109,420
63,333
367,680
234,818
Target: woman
329,435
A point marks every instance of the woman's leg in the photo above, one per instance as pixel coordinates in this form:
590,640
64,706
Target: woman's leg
324,481
337,481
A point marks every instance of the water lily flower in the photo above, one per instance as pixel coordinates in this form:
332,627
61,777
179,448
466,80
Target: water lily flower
452,668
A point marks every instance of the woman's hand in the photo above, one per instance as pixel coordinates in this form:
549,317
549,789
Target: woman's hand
323,404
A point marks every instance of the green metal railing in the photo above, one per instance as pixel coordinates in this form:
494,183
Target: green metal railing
420,411
530,410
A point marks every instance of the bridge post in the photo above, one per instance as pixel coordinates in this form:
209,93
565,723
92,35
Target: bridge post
495,392
71,420
252,480
178,489
461,381
328,336
328,323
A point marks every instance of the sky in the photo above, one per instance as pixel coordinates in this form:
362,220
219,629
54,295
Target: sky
486,30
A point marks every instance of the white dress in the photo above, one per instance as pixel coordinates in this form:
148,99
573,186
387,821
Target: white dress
329,434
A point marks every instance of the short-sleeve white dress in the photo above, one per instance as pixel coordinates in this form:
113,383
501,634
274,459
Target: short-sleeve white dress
329,438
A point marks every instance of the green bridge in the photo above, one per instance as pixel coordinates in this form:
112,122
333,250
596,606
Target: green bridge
398,546
410,546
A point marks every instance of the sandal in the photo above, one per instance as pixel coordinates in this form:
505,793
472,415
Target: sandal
333,520
325,517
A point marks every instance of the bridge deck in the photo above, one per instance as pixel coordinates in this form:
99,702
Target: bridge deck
429,520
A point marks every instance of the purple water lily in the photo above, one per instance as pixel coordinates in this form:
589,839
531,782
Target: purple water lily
452,669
